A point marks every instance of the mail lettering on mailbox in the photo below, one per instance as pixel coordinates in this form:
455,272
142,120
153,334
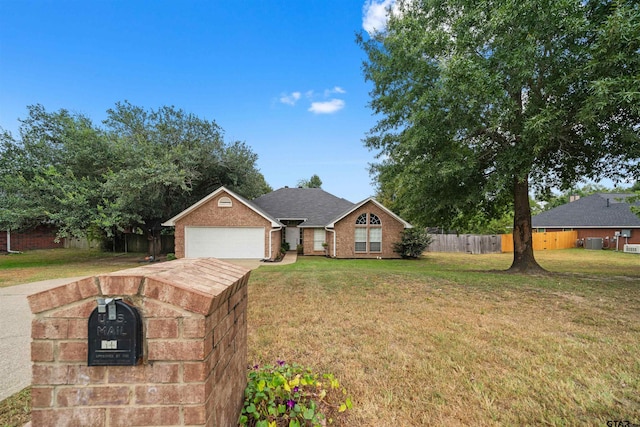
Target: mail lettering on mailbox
115,334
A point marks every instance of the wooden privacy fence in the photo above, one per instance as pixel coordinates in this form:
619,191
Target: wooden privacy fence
466,243
495,244
126,243
545,241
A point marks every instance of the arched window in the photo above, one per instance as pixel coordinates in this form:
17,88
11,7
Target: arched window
368,233
224,202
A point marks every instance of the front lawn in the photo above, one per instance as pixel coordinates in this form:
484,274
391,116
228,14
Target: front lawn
450,339
441,341
33,266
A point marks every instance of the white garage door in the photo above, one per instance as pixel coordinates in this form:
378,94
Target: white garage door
224,242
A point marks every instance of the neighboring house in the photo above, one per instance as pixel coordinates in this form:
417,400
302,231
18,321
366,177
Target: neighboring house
40,237
226,225
600,215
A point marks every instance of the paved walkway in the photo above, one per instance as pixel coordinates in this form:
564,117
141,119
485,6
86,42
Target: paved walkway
15,326
289,258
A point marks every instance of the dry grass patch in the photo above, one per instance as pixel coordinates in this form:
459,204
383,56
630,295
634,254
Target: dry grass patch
439,341
33,266
435,342
15,411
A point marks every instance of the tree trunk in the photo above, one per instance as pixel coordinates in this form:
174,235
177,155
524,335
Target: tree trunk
523,259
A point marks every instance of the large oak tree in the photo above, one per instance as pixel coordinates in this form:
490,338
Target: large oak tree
139,169
480,100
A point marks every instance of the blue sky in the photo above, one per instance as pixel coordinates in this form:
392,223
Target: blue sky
283,76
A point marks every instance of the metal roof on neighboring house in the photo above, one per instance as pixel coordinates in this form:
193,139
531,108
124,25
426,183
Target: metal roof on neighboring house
599,210
313,205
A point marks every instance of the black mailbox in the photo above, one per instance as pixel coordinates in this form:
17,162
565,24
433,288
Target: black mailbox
115,334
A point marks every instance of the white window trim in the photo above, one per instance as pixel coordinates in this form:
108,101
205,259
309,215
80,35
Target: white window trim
318,244
371,241
367,227
365,241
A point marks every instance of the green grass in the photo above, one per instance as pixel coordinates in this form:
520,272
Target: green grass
49,257
33,266
452,340
15,411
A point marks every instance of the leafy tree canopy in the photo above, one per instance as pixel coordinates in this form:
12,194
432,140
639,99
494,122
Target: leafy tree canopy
635,199
313,182
480,99
141,168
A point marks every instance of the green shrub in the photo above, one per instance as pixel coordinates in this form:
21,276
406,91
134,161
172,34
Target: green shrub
285,247
413,243
291,395
171,256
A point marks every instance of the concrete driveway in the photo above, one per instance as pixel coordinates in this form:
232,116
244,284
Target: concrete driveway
15,334
15,326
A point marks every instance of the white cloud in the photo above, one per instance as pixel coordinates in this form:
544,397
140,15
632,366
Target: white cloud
375,15
336,89
290,99
327,107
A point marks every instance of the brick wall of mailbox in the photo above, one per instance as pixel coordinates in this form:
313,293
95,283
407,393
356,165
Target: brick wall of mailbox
190,368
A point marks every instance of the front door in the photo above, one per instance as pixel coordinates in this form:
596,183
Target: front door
292,237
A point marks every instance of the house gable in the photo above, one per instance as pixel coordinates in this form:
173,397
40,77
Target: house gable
344,231
224,209
224,198
363,203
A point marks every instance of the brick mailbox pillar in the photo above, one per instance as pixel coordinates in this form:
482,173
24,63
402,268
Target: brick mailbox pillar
192,370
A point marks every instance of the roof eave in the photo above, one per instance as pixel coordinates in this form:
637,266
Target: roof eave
374,201
172,221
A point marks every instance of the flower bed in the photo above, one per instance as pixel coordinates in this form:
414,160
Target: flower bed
293,396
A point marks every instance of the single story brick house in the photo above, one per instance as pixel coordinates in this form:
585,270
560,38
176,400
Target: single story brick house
226,225
39,237
601,215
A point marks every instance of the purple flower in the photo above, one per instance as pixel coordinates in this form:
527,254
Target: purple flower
291,403
280,362
256,367
296,389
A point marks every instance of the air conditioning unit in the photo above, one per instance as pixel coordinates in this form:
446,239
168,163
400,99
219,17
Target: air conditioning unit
632,249
593,243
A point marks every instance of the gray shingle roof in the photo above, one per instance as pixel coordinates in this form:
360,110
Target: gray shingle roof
255,207
314,205
589,212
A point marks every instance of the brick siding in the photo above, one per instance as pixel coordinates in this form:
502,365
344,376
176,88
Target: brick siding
41,237
307,242
607,235
345,234
193,369
238,215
